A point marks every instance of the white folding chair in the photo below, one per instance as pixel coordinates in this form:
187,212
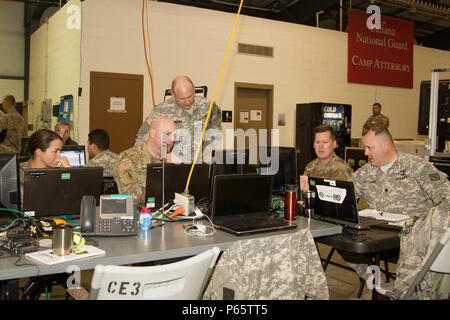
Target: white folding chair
439,261
184,279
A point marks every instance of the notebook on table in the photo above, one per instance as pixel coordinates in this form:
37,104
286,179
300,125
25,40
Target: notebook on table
241,205
336,202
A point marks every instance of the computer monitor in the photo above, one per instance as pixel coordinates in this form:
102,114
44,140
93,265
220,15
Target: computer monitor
285,172
175,178
230,161
75,154
9,187
54,192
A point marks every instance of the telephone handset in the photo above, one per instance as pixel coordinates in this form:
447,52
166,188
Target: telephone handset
116,216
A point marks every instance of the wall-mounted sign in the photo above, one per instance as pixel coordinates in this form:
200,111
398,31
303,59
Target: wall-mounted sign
381,56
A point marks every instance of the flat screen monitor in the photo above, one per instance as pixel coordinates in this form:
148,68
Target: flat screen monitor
9,187
285,171
54,192
75,154
175,178
232,161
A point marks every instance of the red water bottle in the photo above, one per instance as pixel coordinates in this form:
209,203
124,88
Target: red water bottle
290,202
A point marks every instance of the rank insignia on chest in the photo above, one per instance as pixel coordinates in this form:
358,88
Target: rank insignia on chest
434,176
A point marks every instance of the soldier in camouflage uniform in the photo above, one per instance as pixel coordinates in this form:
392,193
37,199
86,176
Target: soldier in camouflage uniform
401,183
284,266
376,120
14,124
189,113
131,166
98,149
327,164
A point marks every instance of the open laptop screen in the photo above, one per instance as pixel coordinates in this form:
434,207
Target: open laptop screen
75,154
238,194
335,199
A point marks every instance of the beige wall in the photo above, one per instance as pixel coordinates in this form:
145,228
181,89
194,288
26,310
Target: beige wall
309,64
55,64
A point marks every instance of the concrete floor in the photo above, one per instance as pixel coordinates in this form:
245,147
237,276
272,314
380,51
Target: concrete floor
343,284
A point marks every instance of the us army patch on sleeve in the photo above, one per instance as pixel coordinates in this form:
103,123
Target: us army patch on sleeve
434,176
124,166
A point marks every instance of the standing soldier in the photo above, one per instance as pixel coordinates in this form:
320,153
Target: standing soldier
377,119
14,124
187,111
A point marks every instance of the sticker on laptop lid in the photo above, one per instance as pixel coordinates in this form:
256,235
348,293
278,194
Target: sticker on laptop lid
65,176
151,202
331,182
331,194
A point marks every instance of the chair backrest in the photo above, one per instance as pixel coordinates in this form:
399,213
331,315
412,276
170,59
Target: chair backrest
439,261
442,261
184,279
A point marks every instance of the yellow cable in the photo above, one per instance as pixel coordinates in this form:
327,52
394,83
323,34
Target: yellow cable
149,54
214,95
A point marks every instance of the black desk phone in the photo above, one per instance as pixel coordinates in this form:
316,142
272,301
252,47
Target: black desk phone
115,216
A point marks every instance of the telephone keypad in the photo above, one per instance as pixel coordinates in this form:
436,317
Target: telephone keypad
116,224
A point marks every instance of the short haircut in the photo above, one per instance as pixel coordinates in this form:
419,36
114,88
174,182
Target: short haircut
41,140
175,81
10,100
380,131
325,128
100,137
62,123
376,104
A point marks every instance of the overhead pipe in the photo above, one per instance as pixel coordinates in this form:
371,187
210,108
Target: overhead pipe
317,17
255,8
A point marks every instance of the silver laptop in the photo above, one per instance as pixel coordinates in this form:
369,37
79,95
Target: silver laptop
336,202
241,204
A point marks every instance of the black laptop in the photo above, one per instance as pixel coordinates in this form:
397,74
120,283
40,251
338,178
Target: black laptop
241,204
336,202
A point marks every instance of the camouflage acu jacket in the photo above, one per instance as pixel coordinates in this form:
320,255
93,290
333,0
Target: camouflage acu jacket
14,124
411,186
105,159
283,266
192,122
130,172
380,120
336,168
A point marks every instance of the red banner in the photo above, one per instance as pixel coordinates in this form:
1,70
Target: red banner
380,56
